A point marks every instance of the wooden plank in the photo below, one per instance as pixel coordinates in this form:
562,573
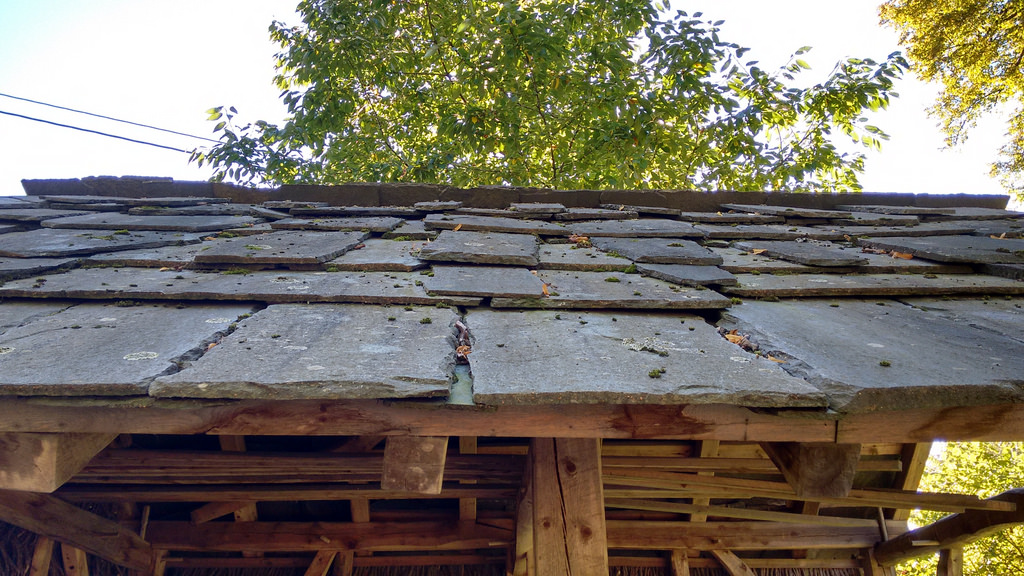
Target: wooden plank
816,468
359,509
549,529
524,559
954,530
76,562
680,563
267,493
321,563
248,512
42,553
56,519
414,463
742,513
708,450
41,462
732,563
651,535
579,479
344,564
467,506
951,562
914,458
214,510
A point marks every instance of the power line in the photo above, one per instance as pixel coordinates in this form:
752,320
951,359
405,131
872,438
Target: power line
107,117
94,132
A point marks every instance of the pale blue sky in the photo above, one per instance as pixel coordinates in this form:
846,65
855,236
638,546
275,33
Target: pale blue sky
164,63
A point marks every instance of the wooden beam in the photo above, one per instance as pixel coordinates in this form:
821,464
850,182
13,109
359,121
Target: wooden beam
41,557
708,450
467,506
816,468
268,493
344,564
954,530
951,562
727,512
524,557
214,510
732,563
321,563
68,524
360,444
42,462
76,562
414,464
914,458
651,535
680,563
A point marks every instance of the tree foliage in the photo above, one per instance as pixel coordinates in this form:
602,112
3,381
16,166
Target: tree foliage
975,48
984,469
553,93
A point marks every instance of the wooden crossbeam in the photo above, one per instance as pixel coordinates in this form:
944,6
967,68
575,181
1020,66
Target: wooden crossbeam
816,468
267,493
651,535
914,458
732,563
40,462
414,463
68,524
954,530
321,563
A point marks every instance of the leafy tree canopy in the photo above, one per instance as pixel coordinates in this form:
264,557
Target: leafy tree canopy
984,469
553,93
975,48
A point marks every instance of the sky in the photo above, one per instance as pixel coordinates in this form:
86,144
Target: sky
164,63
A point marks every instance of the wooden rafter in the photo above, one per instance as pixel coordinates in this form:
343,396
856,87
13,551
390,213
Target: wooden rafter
42,462
732,563
816,468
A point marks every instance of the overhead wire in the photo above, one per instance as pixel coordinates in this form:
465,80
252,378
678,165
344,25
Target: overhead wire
93,131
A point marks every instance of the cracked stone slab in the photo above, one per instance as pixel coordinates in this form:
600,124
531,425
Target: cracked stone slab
730,218
484,281
809,253
973,249
50,242
284,247
572,257
743,262
537,208
810,285
410,230
355,224
659,250
106,350
645,228
291,352
482,248
688,275
14,268
596,214
1004,316
380,255
539,357
493,224
574,290
787,211
895,210
36,214
767,232
923,229
119,221
15,314
266,286
892,357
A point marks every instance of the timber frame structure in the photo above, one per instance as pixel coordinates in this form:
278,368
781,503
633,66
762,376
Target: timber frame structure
414,400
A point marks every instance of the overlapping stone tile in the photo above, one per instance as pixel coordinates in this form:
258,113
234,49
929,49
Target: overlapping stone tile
573,257
595,214
119,221
482,248
975,213
768,232
604,290
377,224
15,314
172,256
14,268
643,210
494,224
687,274
293,352
282,247
355,211
730,218
484,281
164,201
787,211
812,253
923,229
107,349
643,228
974,249
51,242
547,209
1004,316
195,210
812,285
897,210
540,357
659,250
36,214
380,255
872,219
410,230
744,262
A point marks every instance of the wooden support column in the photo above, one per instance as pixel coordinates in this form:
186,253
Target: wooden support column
680,563
871,566
246,512
43,462
524,559
76,562
414,463
467,506
816,469
41,557
732,563
344,564
708,449
569,533
951,562
914,457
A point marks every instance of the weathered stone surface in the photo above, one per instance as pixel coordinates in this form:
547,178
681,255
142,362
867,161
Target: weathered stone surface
975,249
924,229
613,290
810,253
106,349
898,210
645,228
13,268
571,257
36,214
484,281
743,262
532,208
809,285
166,201
643,210
118,221
1014,271
287,247
999,228
293,352
595,214
493,212
249,230
493,224
268,286
18,202
768,232
539,357
482,248
47,242
688,275
369,224
842,351
289,204
972,213
730,218
14,314
5,228
356,211
410,230
437,206
659,250
199,210
787,211
870,219
1004,316
172,256
380,255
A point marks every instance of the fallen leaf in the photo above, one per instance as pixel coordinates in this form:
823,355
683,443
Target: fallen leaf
463,351
457,228
774,359
165,269
901,255
544,288
1000,237
210,346
759,250
873,251
734,338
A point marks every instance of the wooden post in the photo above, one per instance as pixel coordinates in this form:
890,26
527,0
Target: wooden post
708,449
414,463
816,468
951,562
43,462
467,506
76,562
680,563
344,564
41,556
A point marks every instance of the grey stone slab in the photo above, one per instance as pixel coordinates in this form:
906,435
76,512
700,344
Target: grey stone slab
730,218
5,228
812,285
974,249
91,207
198,210
642,228
999,228
743,262
575,290
50,242
248,230
787,211
972,213
539,357
811,253
870,219
376,224
355,211
438,206
380,255
484,281
263,286
897,210
1014,271
1002,315
171,256
165,201
767,232
572,257
16,203
494,212
659,250
289,204
267,214
15,314
482,248
688,275
535,208
410,230
493,224
892,357
596,214
923,229
104,349
643,210
36,214
283,247
14,268
118,221
85,201
289,352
